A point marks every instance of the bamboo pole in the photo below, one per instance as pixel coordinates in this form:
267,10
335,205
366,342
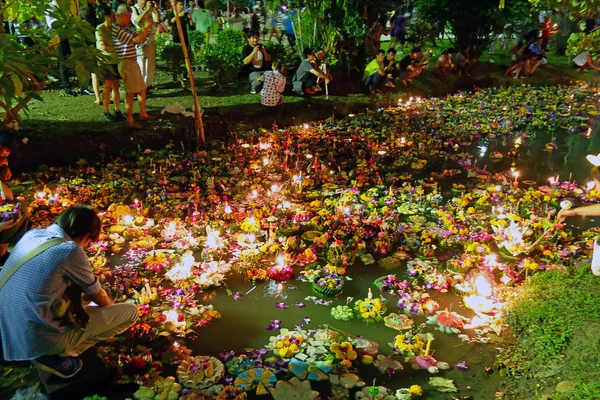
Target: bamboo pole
188,64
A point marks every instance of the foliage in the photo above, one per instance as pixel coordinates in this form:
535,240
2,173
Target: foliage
577,8
172,55
473,22
422,31
553,318
280,52
23,70
223,58
579,42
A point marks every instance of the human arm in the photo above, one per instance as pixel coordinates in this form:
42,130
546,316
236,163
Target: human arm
265,52
78,270
586,211
128,37
138,17
248,56
326,78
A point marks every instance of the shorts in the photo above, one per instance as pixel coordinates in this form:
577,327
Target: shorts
132,76
584,66
111,72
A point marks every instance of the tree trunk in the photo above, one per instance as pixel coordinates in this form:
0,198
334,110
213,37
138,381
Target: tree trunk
565,27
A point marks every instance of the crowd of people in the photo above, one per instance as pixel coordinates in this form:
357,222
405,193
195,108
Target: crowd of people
126,31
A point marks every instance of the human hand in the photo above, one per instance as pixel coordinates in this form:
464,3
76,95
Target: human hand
148,5
327,80
562,214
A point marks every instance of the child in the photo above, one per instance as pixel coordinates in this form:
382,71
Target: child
220,20
443,65
273,85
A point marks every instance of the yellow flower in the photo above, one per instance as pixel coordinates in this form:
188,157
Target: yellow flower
416,391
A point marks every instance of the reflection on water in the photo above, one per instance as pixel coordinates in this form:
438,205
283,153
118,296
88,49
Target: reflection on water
245,320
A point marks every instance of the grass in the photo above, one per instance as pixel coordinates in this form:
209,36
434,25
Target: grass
64,116
555,318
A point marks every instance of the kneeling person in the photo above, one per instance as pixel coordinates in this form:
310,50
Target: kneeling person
255,57
41,268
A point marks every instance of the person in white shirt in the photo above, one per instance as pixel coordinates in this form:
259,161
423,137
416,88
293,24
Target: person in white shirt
146,52
584,60
273,85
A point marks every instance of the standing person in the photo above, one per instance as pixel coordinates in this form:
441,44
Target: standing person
286,26
191,7
220,20
547,32
105,43
246,16
255,20
271,25
203,22
398,31
374,36
273,85
146,52
125,42
237,21
305,79
186,22
44,263
254,56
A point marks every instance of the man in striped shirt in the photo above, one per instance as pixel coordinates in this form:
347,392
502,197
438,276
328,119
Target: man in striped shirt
125,43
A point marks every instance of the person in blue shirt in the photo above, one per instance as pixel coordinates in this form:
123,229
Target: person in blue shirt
30,328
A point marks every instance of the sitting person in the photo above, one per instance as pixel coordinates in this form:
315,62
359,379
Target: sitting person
461,61
306,76
255,57
519,68
421,60
10,231
375,74
391,66
443,65
273,85
584,60
517,50
43,264
537,49
408,67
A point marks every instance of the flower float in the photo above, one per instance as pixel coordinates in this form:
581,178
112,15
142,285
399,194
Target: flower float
375,393
398,322
370,310
344,353
260,379
342,313
162,389
328,283
414,392
200,372
294,389
287,343
447,321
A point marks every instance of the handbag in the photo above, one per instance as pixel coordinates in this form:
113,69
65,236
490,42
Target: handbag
69,307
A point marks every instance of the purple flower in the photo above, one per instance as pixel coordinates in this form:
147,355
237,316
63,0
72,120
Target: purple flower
462,366
300,304
275,324
299,326
281,305
236,296
306,320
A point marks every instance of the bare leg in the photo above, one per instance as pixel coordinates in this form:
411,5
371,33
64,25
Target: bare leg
96,87
142,99
116,95
108,85
129,107
3,248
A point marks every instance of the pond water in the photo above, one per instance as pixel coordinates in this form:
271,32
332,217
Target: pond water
244,320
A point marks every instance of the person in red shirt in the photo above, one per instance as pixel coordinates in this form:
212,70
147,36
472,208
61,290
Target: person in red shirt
547,31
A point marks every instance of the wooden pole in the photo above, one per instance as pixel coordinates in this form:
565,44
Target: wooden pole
188,64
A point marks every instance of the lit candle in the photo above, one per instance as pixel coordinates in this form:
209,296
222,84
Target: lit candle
516,174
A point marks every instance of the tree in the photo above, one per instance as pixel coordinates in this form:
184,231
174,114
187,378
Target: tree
472,22
23,70
575,8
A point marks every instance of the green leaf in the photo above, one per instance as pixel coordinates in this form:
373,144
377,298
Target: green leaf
18,84
82,73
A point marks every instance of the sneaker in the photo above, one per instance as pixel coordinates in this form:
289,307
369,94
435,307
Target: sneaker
309,91
390,84
119,116
63,367
252,91
87,92
109,117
